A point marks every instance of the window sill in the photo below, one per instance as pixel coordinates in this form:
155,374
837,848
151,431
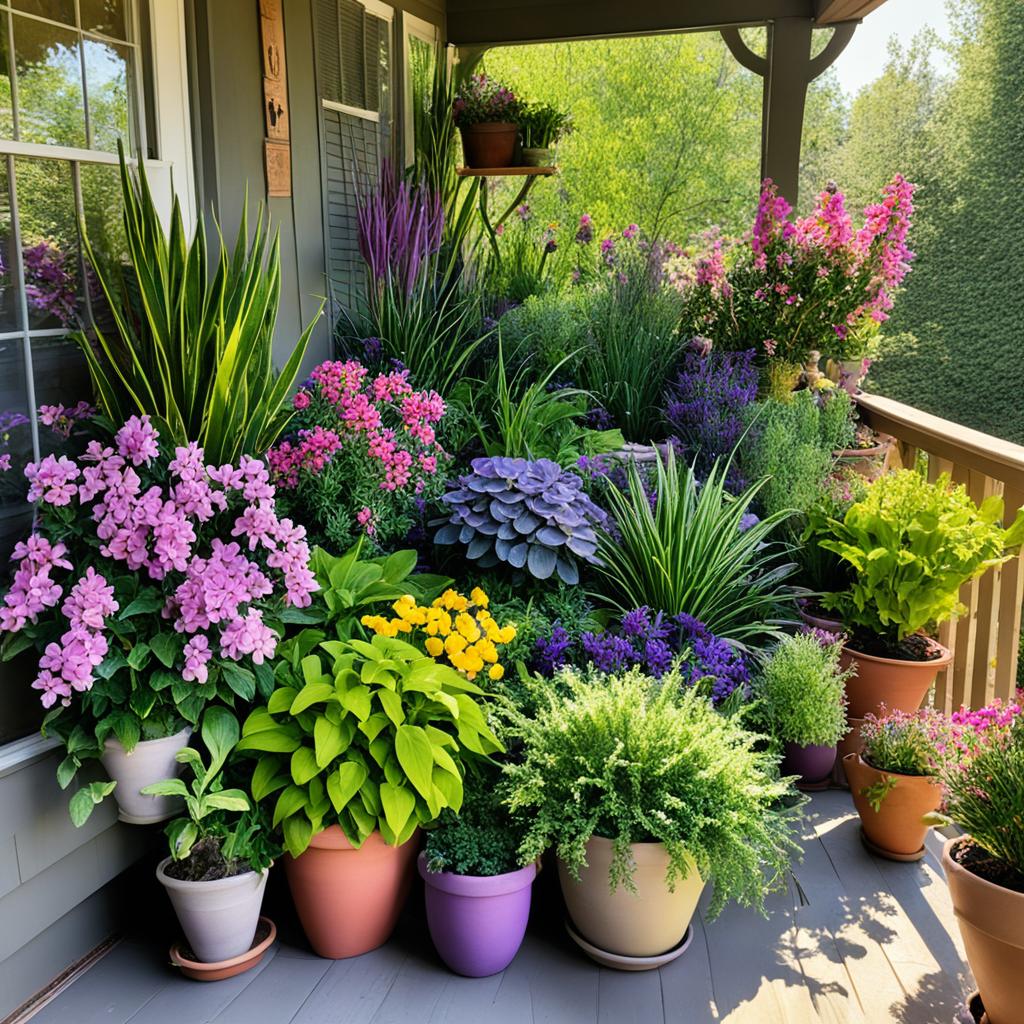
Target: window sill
22,753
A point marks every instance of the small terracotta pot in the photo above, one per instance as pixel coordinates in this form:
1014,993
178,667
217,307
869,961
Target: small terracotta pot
895,830
817,621
348,900
812,762
149,761
851,743
991,921
492,144
644,923
898,684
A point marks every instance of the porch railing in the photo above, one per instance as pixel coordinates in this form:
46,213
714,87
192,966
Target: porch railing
984,640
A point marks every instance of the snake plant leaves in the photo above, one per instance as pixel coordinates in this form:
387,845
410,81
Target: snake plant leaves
533,515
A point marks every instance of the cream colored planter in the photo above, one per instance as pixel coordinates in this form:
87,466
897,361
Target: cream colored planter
644,923
149,761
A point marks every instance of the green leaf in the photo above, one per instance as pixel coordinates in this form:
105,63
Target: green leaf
167,647
392,705
312,670
398,565
149,601
66,771
303,766
281,700
343,784
416,757
279,740
126,728
312,693
181,835
241,680
160,679
168,787
298,831
228,800
328,741
267,778
398,803
288,803
357,700
81,804
220,734
138,656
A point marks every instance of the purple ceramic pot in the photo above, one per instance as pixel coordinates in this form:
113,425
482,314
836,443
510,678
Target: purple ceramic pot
477,923
812,763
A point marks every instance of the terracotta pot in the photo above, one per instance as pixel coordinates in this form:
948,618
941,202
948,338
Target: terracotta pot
492,144
149,761
817,621
477,922
991,921
851,743
812,762
895,830
218,917
898,684
349,900
644,923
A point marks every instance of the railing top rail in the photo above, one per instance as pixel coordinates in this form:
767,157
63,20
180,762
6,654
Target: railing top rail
996,458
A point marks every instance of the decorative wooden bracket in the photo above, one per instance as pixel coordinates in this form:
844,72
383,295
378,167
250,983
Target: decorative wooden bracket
277,149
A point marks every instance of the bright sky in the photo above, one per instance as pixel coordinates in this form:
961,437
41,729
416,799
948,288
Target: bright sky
863,59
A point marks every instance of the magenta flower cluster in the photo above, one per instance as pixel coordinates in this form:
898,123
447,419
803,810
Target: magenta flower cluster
61,419
165,522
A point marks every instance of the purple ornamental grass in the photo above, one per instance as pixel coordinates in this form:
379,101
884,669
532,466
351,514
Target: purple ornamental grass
400,228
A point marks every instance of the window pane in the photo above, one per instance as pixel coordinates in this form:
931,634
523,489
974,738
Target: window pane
6,114
56,10
50,104
60,376
101,201
10,283
15,447
105,17
106,78
49,241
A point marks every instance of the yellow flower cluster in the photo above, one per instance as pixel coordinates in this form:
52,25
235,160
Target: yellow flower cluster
454,627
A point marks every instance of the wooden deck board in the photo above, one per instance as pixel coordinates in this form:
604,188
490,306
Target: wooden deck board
875,941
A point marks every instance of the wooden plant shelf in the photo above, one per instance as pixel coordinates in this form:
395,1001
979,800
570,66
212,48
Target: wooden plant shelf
507,172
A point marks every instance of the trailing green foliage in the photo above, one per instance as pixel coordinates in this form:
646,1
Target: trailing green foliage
191,348
217,818
689,553
634,761
912,545
802,691
370,736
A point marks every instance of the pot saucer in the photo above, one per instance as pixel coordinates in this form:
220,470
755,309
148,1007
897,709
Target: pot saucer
814,787
619,962
183,957
878,851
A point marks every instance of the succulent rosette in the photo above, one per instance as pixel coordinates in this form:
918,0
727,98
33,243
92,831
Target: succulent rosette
527,515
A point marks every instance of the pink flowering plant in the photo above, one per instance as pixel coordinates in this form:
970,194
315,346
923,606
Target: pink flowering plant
791,286
153,584
364,456
481,99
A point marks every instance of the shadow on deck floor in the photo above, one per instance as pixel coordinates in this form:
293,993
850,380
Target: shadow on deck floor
875,941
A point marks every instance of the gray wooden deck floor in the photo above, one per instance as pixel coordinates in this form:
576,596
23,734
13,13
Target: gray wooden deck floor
876,941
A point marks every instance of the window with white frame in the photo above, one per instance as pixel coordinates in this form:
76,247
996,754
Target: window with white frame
422,51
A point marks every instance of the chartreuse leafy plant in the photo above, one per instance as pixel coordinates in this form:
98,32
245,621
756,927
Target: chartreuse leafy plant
912,545
802,691
637,760
192,343
219,825
369,736
690,553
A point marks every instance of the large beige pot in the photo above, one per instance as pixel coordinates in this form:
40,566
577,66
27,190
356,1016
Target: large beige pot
991,921
646,922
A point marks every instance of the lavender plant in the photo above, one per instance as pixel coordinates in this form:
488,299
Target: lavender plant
527,515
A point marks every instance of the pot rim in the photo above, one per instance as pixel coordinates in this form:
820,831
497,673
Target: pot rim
210,884
942,661
861,453
182,735
333,838
933,779
951,865
480,886
491,126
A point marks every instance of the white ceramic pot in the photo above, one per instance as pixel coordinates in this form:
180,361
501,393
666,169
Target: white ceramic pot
150,761
644,923
218,917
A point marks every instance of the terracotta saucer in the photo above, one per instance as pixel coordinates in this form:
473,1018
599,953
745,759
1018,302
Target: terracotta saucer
878,851
182,956
619,962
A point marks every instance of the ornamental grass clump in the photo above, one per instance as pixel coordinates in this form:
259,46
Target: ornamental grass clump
802,690
526,515
634,760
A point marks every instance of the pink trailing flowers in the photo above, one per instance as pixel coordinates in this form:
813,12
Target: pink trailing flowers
125,519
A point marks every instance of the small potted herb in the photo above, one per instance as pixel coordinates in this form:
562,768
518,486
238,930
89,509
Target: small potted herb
220,855
985,867
911,545
801,690
646,793
477,891
541,126
894,780
487,115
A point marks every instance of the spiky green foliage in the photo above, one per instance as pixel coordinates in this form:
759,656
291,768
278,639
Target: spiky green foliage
634,761
688,553
193,346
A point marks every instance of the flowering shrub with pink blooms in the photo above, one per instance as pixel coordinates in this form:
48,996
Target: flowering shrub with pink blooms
363,456
795,285
152,585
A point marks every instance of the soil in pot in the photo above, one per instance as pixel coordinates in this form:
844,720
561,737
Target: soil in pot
477,923
148,762
895,830
348,900
991,920
644,923
900,683
817,617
